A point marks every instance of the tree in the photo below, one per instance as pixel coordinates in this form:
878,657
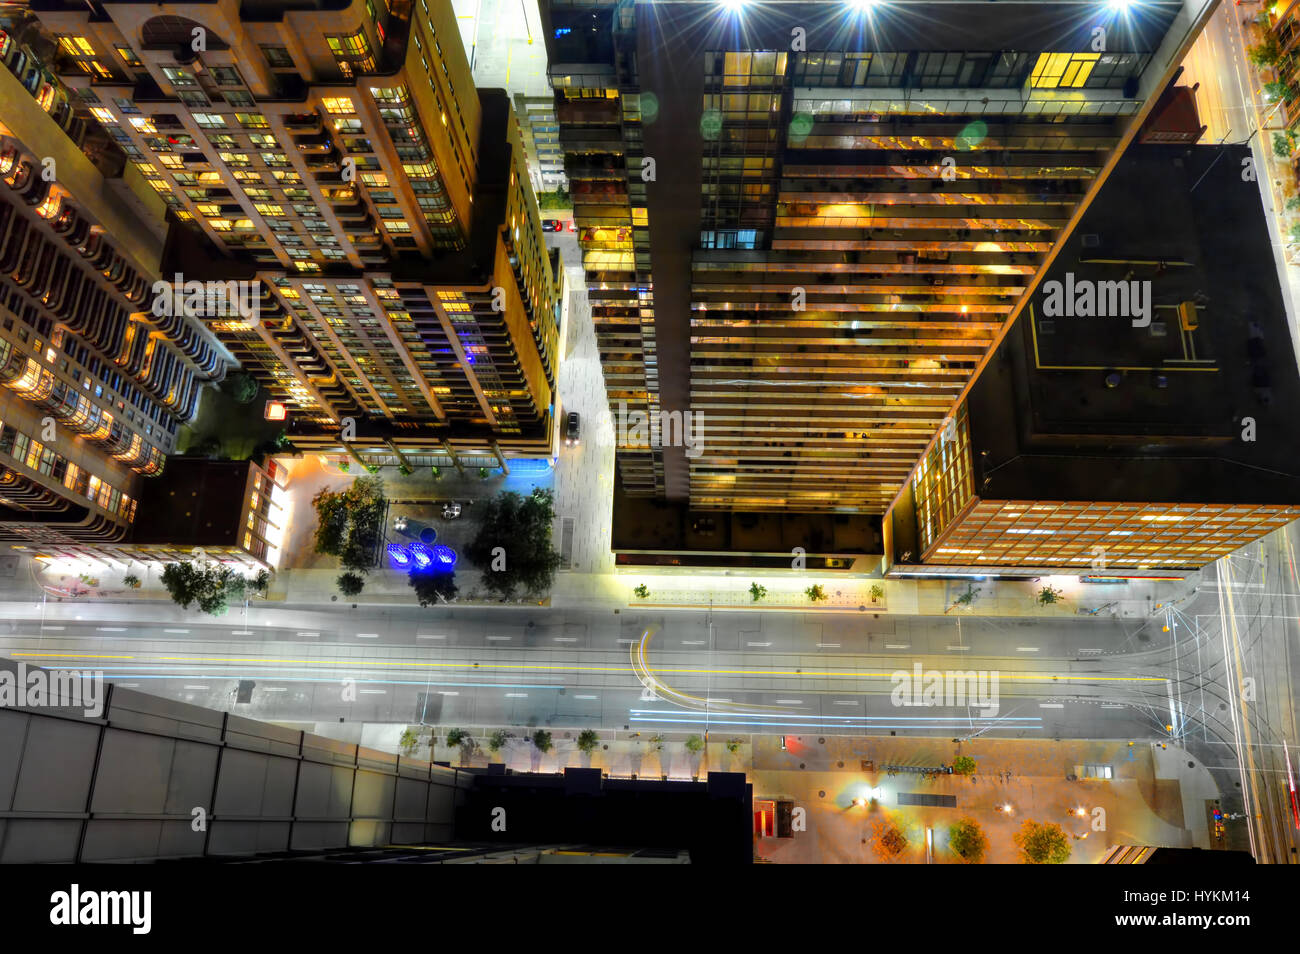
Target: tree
351,584
815,593
484,473
347,522
642,591
405,469
497,740
408,741
244,388
694,744
1278,90
1048,595
456,737
757,592
542,739
967,840
432,588
260,582
1282,146
208,585
963,765
512,548
435,471
131,580
965,599
588,739
877,592
733,745
891,842
1265,53
1042,844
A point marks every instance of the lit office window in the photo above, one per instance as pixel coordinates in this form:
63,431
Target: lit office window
1062,70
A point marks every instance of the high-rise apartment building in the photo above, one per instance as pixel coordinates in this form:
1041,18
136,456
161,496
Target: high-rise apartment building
808,223
1140,416
339,155
93,384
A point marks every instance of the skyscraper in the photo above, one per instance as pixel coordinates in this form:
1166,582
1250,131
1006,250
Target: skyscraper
808,223
93,385
339,156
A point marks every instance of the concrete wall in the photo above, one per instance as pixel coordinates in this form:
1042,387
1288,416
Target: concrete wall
124,786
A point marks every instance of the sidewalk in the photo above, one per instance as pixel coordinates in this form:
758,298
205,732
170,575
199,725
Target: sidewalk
1155,797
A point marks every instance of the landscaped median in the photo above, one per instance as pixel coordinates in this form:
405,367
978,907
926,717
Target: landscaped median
758,593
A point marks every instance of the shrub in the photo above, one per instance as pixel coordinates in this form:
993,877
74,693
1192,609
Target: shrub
351,584
642,592
131,580
967,840
497,740
963,765
694,744
815,593
542,739
757,592
1042,844
588,739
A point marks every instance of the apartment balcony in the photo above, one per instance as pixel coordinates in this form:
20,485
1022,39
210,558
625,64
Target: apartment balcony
354,216
303,122
325,162
317,143
367,242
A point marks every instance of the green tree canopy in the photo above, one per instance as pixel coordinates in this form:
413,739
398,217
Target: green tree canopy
432,588
588,739
211,586
963,765
347,522
1042,844
351,584
512,548
542,739
967,840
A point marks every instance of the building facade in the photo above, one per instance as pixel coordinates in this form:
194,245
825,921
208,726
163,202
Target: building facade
807,223
338,155
93,384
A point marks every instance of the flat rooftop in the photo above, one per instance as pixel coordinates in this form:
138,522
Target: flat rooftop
1096,408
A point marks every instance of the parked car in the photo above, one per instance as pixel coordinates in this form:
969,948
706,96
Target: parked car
571,438
552,225
573,226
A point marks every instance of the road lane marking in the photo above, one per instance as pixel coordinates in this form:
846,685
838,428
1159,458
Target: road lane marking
373,692
689,642
196,687
516,695
828,645
1051,705
789,702
60,628
846,702
241,632
958,649
367,635
566,639
758,644
1026,649
111,629
498,637
897,645
424,636
586,697
177,631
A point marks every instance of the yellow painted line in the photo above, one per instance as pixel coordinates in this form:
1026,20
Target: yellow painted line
488,667
67,656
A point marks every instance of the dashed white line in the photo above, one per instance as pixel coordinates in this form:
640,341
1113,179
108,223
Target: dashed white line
179,631
1026,649
496,638
586,697
623,640
897,645
758,644
427,636
845,702
309,635
274,689
516,695
789,702
196,687
59,628
241,632
828,645
447,692
111,629
1051,705
566,639
958,649
690,642
367,635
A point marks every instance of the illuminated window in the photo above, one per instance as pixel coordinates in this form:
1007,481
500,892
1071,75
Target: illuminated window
103,114
338,105
252,120
76,46
171,161
128,56
352,53
1063,70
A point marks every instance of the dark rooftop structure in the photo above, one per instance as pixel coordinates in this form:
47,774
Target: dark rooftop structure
1144,402
196,502
1100,409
